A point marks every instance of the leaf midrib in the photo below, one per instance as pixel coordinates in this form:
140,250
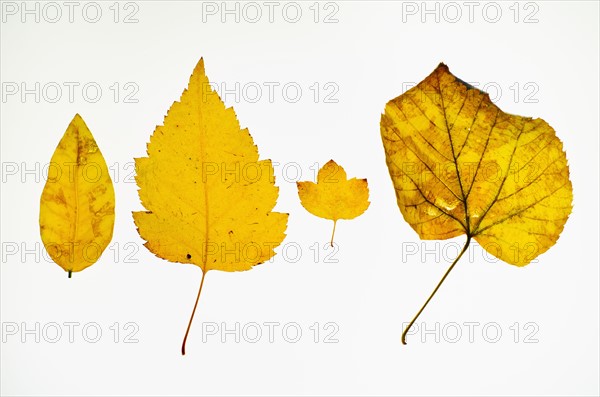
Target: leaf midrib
462,191
202,161
76,188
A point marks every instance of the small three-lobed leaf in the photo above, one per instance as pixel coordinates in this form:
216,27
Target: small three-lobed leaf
334,196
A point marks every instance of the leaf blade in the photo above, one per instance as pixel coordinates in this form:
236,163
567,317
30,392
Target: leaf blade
444,140
197,186
77,205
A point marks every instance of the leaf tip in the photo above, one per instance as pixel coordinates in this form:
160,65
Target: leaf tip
77,120
200,66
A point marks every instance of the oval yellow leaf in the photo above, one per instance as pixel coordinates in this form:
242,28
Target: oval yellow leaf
77,206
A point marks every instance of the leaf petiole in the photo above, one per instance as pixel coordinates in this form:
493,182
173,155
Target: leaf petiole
192,316
436,288
333,233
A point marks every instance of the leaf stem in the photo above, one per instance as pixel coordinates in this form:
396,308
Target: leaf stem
192,316
436,288
333,233
70,273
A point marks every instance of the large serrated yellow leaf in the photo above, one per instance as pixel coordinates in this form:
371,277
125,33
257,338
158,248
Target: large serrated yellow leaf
460,165
209,199
77,206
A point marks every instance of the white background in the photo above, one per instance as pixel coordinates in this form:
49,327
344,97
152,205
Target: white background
371,54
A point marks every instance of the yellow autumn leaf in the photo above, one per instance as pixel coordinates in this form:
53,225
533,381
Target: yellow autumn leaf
209,199
460,165
334,196
77,206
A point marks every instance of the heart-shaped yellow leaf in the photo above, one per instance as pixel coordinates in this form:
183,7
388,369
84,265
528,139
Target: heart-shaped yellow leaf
460,165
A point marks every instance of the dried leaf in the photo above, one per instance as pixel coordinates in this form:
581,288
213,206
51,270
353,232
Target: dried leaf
460,165
77,207
209,198
334,196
